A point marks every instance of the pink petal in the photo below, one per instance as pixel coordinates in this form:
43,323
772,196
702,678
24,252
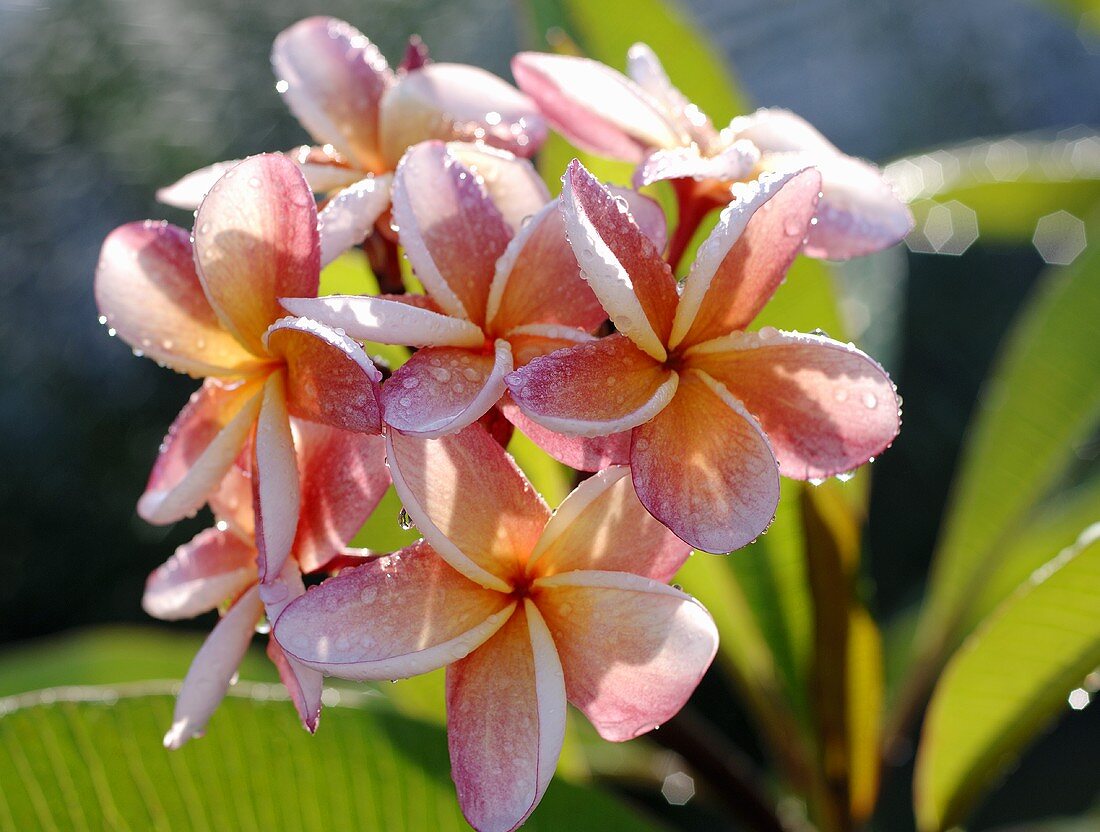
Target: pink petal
393,617
604,387
584,454
743,261
388,320
256,241
735,162
212,567
343,477
633,650
486,534
333,80
826,407
350,215
304,684
330,379
530,341
593,106
622,266
212,670
275,490
703,468
199,450
506,722
147,290
441,390
455,101
451,231
232,502
647,213
646,71
512,183
602,525
189,191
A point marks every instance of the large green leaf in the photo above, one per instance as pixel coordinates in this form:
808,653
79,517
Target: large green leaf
1007,681
91,758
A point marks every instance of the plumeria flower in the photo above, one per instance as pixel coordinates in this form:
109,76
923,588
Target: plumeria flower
526,610
644,119
363,116
716,413
214,312
343,475
502,286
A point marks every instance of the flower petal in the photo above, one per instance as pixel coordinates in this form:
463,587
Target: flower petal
647,213
745,258
333,80
735,162
199,449
350,215
512,182
147,290
276,496
393,320
593,389
212,670
232,502
703,468
330,379
633,650
827,407
533,340
456,101
644,68
485,536
212,567
393,617
602,525
506,722
582,453
622,266
593,106
303,683
256,241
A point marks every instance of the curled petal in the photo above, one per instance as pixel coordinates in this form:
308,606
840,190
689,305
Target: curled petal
441,390
745,258
256,241
595,389
303,683
646,71
595,107
633,650
487,538
333,79
392,617
350,215
602,525
213,668
735,162
622,266
458,102
826,407
512,182
330,379
199,450
582,453
506,722
212,567
530,341
275,489
451,231
147,290
388,320
704,468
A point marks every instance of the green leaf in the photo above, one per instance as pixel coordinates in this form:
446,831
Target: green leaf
1008,681
92,758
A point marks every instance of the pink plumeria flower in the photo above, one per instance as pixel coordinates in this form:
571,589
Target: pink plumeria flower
363,116
646,120
716,413
343,476
503,286
526,610
215,312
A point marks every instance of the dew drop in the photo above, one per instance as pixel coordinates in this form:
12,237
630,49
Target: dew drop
403,520
869,401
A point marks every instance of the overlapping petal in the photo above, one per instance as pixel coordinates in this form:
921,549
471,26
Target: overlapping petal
704,468
533,340
350,215
388,320
826,406
644,68
276,494
213,567
512,182
632,650
732,163
580,452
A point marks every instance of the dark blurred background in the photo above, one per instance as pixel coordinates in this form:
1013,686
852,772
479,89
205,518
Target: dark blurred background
101,101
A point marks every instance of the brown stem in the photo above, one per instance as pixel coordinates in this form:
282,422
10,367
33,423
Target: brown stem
694,203
385,262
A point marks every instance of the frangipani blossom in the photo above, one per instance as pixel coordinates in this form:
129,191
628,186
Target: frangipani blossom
503,286
217,314
716,413
645,119
526,610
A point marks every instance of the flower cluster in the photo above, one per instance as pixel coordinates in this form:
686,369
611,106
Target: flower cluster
558,316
